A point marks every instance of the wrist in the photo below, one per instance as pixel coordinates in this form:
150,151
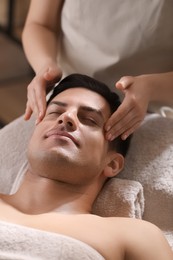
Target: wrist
46,65
151,84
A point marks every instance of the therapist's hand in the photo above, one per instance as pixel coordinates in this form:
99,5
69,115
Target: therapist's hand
128,117
41,84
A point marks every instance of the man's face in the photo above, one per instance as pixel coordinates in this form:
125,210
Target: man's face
71,136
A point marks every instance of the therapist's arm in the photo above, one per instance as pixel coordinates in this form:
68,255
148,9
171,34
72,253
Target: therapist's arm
40,41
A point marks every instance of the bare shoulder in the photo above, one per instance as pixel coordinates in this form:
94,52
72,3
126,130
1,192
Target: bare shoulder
140,239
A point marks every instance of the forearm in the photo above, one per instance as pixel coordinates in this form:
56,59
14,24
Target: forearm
160,87
40,46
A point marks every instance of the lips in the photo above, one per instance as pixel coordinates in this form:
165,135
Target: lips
56,132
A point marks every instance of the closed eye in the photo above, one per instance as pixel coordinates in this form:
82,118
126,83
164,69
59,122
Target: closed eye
55,108
88,121
55,112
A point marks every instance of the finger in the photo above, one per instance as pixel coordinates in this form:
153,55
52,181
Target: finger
118,115
29,104
37,99
130,131
121,127
28,112
40,100
32,101
124,82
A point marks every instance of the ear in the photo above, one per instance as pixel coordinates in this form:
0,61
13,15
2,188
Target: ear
115,165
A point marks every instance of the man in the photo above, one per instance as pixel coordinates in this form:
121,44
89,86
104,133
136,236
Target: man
69,160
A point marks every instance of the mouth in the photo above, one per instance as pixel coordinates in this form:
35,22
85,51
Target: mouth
56,133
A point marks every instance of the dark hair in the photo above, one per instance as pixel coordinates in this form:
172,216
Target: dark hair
84,81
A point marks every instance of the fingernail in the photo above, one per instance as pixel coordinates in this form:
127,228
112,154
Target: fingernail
36,122
109,137
112,138
124,137
122,84
108,128
40,114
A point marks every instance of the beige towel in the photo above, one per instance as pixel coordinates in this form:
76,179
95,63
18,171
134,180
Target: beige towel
120,198
150,161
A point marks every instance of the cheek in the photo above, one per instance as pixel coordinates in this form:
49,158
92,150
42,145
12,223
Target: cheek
96,143
35,138
32,145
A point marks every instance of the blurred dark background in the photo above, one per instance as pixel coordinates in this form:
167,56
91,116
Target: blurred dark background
15,72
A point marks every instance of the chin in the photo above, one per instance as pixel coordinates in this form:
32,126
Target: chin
48,161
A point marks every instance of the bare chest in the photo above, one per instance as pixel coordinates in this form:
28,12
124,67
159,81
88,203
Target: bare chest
90,229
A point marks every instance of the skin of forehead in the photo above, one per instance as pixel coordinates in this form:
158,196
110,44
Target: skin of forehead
84,101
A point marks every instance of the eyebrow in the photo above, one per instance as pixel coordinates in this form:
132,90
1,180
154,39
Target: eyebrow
58,103
84,108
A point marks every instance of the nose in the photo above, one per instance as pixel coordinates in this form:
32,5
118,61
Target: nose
68,120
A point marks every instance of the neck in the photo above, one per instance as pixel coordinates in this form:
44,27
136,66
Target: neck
38,195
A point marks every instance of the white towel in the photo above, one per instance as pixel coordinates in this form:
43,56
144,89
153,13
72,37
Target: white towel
13,143
23,243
